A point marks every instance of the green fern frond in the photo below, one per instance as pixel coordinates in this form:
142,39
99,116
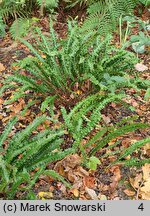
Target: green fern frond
116,133
103,15
7,130
55,175
17,140
20,27
133,147
48,3
35,150
135,162
50,158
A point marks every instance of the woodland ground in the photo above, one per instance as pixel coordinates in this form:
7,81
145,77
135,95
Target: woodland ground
114,183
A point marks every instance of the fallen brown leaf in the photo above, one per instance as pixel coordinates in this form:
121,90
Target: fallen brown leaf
2,68
140,67
75,192
89,182
129,192
91,193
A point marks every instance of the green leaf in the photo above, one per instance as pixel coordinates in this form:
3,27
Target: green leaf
93,162
48,101
147,94
55,175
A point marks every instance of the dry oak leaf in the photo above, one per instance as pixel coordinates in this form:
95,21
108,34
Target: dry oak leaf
117,174
106,119
71,161
71,175
2,68
91,193
45,195
145,189
75,192
81,172
140,67
116,177
129,192
135,183
146,172
89,182
146,149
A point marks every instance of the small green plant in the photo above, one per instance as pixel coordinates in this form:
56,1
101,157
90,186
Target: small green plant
24,153
93,162
138,42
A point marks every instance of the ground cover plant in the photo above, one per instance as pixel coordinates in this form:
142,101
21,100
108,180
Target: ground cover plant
74,106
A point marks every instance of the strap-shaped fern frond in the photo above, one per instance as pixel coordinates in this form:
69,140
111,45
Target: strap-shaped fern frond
25,152
84,117
133,147
116,133
7,130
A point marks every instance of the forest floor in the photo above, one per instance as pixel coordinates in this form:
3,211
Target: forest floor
112,183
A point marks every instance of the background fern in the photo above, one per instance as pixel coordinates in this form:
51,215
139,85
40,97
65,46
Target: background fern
48,3
103,15
19,12
23,8
20,27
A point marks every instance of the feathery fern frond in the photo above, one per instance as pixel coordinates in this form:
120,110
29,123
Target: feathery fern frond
103,15
20,27
47,3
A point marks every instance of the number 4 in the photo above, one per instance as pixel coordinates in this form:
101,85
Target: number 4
141,207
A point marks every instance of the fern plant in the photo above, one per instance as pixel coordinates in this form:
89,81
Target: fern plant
24,153
12,8
103,14
59,63
84,119
22,8
19,12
